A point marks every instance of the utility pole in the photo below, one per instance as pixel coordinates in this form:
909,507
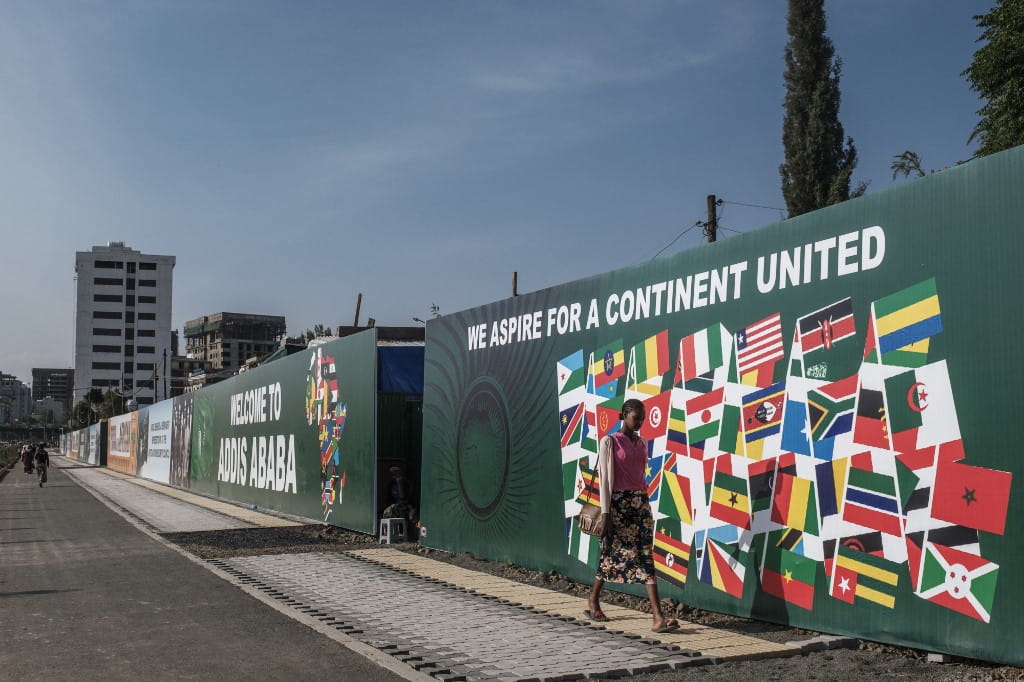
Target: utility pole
711,226
359,304
515,283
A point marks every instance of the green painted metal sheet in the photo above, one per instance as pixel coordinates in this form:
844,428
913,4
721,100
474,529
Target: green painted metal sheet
830,402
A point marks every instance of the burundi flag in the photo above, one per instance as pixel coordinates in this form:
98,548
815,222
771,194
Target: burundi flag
787,574
703,414
571,373
959,581
758,347
648,363
730,496
675,497
859,575
672,542
723,567
903,323
825,342
704,359
607,365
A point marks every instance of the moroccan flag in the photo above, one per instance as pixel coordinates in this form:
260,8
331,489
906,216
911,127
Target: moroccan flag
762,412
788,575
859,575
761,475
702,353
730,499
830,408
904,322
674,498
794,504
723,567
703,414
971,496
870,426
657,416
872,501
570,424
609,417
959,581
650,359
672,551
571,373
676,431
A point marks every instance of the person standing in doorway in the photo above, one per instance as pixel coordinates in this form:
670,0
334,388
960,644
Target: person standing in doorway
627,543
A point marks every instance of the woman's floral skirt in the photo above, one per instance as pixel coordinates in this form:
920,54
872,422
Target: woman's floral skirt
627,553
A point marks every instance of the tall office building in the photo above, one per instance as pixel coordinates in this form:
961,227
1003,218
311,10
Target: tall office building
53,383
123,322
226,340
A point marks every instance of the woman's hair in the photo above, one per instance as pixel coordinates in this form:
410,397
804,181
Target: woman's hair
632,405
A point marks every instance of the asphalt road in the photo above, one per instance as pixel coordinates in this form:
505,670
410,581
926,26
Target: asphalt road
86,595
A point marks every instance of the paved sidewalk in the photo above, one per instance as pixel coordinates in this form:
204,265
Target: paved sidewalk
446,621
84,595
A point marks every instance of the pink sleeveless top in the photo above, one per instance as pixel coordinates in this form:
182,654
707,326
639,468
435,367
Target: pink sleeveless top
630,461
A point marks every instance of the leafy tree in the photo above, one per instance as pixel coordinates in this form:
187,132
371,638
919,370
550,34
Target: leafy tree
908,162
997,75
818,165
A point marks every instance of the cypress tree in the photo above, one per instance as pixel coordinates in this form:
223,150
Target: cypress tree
818,165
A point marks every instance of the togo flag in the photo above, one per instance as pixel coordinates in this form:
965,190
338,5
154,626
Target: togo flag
959,581
859,575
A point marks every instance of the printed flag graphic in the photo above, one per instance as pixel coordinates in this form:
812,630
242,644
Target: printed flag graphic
674,497
830,408
570,424
676,441
652,475
959,581
904,322
672,542
758,348
762,412
971,496
649,361
704,359
825,343
794,504
609,417
859,575
588,486
657,416
786,574
723,567
730,499
872,501
571,373
703,414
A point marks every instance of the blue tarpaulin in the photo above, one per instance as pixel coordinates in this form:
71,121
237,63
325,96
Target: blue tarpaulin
400,369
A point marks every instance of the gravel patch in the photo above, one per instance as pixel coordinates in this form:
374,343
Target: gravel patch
869,660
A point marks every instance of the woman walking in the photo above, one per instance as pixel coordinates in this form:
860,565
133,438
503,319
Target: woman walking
626,545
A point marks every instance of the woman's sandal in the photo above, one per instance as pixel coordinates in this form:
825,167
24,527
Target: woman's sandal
598,615
667,625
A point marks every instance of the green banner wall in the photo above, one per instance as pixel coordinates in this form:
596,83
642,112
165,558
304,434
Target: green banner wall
295,435
829,405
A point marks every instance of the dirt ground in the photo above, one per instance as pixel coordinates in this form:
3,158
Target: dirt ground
869,660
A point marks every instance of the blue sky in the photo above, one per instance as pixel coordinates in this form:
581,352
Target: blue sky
293,154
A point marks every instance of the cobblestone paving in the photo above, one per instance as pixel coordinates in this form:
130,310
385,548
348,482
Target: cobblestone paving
444,631
164,514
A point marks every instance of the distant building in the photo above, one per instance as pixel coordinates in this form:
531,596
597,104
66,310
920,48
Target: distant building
122,321
224,341
18,394
49,411
58,384
181,369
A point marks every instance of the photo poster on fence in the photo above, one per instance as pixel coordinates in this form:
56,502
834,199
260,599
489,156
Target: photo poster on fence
157,436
